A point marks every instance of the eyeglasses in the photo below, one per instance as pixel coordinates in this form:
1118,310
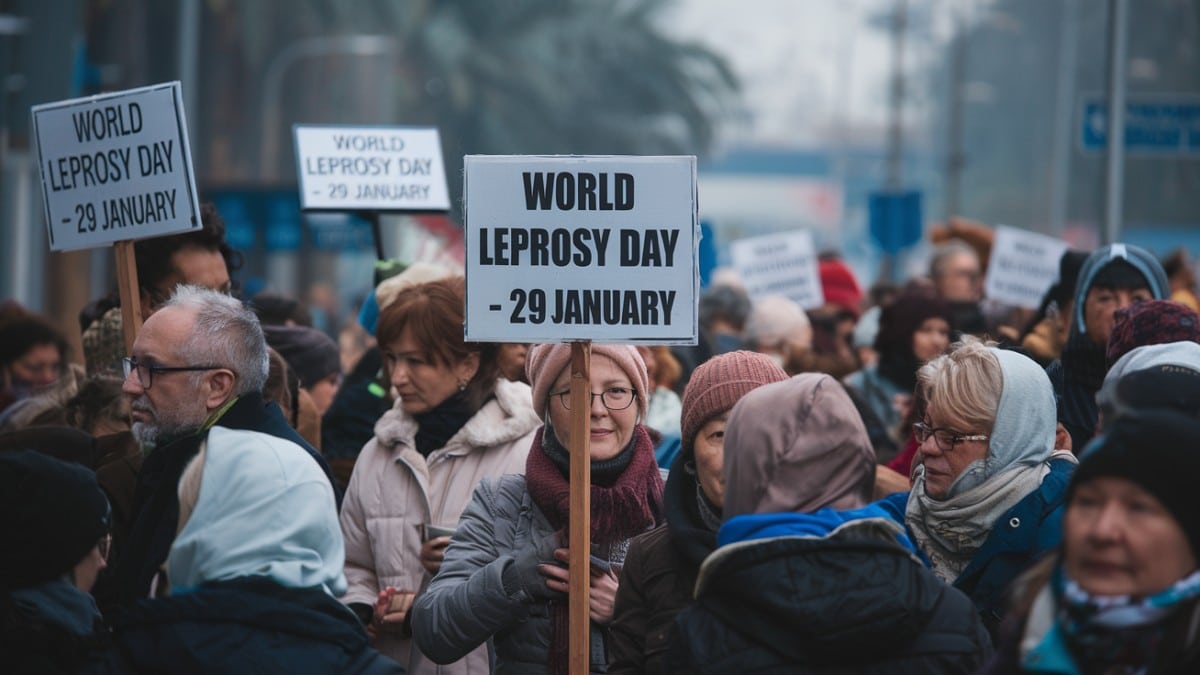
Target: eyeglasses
613,398
946,439
146,371
105,546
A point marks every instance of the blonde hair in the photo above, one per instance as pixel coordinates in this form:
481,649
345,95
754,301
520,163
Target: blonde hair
964,385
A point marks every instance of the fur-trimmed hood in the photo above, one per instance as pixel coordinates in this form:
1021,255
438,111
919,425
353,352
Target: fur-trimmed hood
506,417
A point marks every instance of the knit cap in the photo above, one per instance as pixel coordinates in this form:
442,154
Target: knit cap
1152,322
1154,449
545,362
839,285
54,512
717,384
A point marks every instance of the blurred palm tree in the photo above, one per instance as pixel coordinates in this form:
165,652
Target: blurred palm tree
500,77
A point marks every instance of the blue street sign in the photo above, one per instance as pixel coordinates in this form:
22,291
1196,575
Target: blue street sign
1159,126
895,219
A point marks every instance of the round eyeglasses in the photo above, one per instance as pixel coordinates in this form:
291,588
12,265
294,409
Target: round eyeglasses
613,398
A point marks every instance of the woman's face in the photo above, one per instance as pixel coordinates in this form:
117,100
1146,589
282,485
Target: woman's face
1119,539
611,429
421,381
943,466
930,339
709,446
38,367
1101,303
87,569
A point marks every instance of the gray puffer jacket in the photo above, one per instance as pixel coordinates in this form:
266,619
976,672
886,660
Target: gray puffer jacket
466,602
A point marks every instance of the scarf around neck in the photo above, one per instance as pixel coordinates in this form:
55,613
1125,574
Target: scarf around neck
951,531
1082,632
632,504
437,426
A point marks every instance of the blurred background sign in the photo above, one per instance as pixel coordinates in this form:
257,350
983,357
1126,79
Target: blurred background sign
1160,125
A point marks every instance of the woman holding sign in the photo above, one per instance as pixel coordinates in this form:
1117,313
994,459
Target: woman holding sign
505,575
455,421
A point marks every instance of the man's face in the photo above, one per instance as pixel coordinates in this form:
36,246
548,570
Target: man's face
193,266
175,403
960,279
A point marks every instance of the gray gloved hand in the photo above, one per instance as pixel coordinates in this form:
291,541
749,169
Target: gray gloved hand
523,574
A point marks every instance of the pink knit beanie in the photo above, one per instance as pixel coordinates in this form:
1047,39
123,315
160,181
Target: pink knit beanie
717,384
545,362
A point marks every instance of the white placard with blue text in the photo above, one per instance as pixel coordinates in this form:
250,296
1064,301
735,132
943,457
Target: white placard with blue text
115,167
1022,266
564,248
780,264
370,168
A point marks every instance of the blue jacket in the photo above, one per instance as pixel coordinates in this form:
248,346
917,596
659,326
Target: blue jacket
1019,538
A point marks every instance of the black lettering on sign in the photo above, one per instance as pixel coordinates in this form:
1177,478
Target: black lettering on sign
649,248
596,307
582,191
98,124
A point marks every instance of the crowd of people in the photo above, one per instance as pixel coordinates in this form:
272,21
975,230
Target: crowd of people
914,479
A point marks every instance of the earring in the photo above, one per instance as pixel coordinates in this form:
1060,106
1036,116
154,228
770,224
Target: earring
462,385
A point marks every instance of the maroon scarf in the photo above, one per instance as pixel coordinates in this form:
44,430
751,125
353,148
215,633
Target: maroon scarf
632,505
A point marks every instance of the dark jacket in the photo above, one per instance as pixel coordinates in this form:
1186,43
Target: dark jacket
155,514
659,576
244,626
846,603
1019,538
50,629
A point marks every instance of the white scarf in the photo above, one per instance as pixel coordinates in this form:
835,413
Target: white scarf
951,531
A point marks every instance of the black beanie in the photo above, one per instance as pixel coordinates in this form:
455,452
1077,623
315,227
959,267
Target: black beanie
54,513
1154,449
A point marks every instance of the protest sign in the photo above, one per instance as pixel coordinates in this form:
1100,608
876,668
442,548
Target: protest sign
581,248
370,168
1022,266
115,167
780,264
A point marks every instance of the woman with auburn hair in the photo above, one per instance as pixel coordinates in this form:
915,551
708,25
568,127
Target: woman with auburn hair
456,420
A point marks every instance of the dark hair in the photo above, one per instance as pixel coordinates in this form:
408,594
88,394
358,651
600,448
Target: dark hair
276,310
1175,262
153,256
1120,275
724,303
19,334
433,313
898,321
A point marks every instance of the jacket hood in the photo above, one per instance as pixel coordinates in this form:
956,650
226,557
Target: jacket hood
1026,419
796,446
1141,260
264,509
506,417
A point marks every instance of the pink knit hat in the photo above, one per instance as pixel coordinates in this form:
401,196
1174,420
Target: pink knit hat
545,362
717,384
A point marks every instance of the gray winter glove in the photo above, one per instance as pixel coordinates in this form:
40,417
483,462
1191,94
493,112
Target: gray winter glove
523,574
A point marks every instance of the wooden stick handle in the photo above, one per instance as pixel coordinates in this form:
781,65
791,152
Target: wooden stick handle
127,285
581,508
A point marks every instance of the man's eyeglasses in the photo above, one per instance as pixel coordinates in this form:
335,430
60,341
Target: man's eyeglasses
946,439
146,372
613,398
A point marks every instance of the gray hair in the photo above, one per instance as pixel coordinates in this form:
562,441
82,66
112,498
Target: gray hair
226,333
775,318
945,252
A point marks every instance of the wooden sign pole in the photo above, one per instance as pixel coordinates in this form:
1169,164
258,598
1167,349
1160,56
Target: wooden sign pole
127,285
581,509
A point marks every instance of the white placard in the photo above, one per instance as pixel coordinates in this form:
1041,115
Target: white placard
780,264
581,248
370,168
115,167
1022,266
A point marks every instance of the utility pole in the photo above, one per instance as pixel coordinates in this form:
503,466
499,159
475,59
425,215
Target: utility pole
955,157
1114,156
